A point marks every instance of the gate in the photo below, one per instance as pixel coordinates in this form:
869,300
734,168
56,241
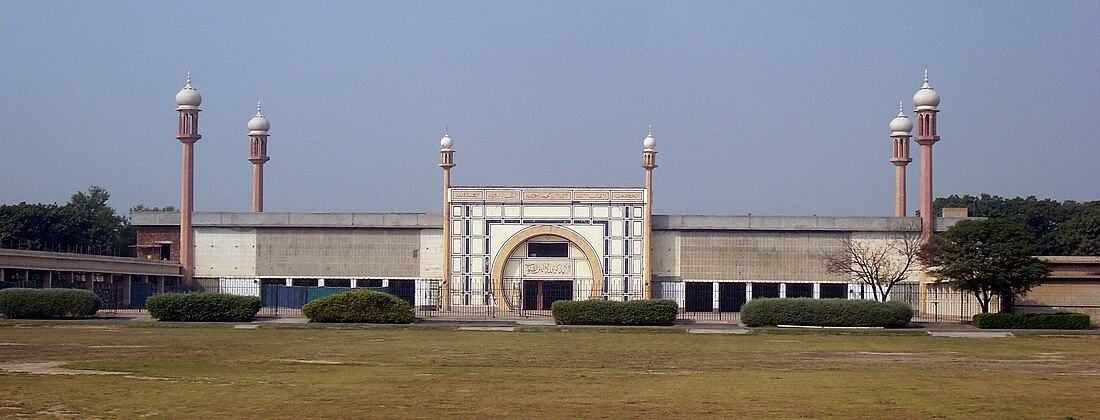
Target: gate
699,297
731,296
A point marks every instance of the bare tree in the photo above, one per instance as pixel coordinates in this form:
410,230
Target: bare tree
879,263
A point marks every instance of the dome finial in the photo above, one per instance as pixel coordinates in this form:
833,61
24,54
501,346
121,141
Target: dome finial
259,123
188,97
446,142
649,142
926,98
900,125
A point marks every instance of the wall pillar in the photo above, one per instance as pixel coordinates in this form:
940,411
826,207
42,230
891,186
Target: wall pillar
127,283
47,279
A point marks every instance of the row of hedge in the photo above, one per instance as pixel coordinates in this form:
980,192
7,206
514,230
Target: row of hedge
364,306
1059,321
21,303
608,312
203,307
825,313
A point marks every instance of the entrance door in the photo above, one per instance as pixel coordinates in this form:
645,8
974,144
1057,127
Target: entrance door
540,294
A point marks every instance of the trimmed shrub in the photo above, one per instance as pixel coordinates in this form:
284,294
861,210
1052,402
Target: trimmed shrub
202,307
609,312
48,303
1059,321
360,306
826,313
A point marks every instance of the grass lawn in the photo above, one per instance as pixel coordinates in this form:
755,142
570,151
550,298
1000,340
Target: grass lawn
147,370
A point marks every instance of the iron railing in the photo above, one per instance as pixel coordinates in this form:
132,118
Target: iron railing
698,301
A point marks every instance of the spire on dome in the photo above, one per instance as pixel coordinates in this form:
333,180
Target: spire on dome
926,98
446,142
258,124
649,142
188,97
901,125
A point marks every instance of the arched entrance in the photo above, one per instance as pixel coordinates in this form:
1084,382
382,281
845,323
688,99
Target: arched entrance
511,291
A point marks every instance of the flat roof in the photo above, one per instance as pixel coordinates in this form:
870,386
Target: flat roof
435,221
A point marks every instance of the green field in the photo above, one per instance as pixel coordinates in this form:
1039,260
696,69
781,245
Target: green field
150,370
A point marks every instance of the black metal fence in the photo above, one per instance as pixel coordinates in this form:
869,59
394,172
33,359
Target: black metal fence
698,301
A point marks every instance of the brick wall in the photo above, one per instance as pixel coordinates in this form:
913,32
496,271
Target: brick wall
148,236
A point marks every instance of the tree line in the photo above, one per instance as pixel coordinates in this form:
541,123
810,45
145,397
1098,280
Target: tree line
1060,228
86,224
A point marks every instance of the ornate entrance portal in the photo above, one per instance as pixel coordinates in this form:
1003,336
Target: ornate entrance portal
515,248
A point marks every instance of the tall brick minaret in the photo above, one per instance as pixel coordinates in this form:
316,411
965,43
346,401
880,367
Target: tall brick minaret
900,127
926,99
257,154
188,100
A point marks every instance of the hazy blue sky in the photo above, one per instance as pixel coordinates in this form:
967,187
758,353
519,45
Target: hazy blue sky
758,107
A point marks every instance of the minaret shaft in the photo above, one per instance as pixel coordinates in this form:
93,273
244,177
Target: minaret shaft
188,135
446,161
258,157
926,137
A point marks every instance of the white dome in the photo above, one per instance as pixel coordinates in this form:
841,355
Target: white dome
926,97
258,124
649,143
446,142
188,97
901,124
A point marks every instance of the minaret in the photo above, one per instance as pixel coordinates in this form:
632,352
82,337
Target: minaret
926,99
900,127
446,161
188,100
257,136
649,162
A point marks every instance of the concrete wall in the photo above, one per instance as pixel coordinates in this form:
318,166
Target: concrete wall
431,253
1065,295
225,252
338,252
760,256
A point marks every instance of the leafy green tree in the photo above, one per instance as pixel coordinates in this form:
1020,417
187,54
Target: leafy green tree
104,226
987,258
85,223
1060,228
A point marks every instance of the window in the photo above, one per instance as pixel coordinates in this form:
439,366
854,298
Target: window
548,249
337,282
368,283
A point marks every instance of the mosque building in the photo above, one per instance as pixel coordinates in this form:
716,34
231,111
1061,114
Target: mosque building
503,249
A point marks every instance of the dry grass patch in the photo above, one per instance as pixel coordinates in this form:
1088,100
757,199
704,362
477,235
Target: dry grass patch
202,372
